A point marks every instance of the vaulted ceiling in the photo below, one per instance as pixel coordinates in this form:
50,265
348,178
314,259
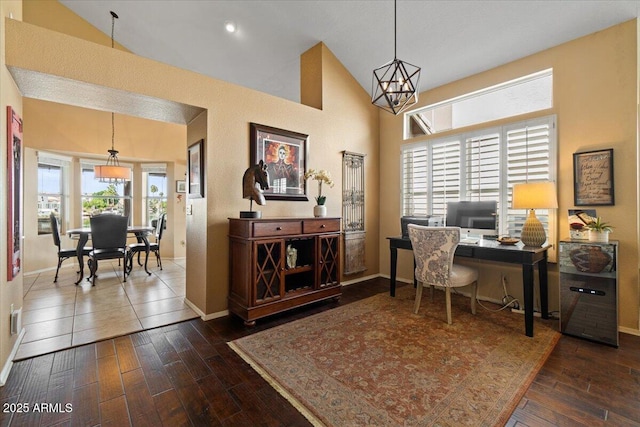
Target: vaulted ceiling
448,39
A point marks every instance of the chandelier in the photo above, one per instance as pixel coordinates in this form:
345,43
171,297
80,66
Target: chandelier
395,84
112,172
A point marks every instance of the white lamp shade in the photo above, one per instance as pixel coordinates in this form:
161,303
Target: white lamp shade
535,195
112,172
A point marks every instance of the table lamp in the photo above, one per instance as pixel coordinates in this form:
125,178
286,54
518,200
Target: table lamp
534,195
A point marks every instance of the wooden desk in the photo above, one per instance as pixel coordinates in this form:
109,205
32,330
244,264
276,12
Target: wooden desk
491,250
82,234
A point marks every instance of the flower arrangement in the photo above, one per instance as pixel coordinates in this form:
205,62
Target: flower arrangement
320,176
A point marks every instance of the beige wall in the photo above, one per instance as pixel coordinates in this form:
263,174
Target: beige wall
348,122
10,292
595,89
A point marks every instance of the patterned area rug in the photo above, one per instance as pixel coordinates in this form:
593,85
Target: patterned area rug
374,362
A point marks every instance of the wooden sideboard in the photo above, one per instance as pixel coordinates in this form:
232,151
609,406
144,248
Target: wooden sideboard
276,264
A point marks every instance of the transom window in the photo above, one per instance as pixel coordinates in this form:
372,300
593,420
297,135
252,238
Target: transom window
481,165
526,94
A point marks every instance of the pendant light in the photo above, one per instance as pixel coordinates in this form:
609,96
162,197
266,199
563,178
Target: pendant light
112,172
395,84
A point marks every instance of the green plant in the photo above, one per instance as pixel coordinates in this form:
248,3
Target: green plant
599,225
320,176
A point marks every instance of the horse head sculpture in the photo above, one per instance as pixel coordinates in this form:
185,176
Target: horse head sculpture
254,181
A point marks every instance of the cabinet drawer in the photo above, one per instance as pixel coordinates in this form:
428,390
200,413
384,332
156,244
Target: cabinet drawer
320,225
276,228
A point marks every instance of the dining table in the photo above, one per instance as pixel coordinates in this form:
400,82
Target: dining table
83,235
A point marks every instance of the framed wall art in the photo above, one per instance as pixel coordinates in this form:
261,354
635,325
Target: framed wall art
593,178
195,169
14,184
181,186
285,154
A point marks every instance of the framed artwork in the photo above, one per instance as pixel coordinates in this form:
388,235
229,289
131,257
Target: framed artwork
181,186
593,178
285,154
14,173
195,168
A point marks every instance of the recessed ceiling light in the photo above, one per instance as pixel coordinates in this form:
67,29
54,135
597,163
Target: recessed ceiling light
230,26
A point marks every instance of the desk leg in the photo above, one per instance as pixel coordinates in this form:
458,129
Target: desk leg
527,284
82,241
394,265
544,288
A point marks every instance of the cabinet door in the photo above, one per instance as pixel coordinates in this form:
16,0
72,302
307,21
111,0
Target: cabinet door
267,270
328,261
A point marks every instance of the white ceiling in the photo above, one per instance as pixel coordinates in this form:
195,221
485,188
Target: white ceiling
449,40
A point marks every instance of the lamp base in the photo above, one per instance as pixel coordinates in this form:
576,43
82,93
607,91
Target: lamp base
533,233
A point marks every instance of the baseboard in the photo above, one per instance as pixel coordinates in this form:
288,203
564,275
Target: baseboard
629,331
359,279
203,316
9,363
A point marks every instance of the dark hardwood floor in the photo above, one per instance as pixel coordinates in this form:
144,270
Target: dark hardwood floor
185,374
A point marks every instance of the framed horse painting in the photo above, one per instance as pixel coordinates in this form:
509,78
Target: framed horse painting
285,155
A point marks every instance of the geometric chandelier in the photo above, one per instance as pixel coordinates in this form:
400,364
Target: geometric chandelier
112,172
396,83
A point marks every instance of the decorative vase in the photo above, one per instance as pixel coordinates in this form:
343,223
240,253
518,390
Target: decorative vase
589,259
599,236
319,211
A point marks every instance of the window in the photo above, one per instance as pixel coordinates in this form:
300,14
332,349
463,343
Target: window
523,95
101,197
481,165
52,193
154,192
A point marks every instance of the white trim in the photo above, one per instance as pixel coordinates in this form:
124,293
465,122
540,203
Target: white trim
203,316
9,363
359,279
629,331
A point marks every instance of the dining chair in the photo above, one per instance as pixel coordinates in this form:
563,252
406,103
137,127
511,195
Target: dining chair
109,237
434,249
139,247
63,254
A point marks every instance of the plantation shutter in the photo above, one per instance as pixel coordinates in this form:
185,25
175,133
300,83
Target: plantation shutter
445,176
414,180
530,158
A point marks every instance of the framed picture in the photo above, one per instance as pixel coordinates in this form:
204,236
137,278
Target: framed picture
195,168
285,154
14,213
593,178
181,186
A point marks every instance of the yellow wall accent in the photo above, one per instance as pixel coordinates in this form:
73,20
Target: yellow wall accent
595,84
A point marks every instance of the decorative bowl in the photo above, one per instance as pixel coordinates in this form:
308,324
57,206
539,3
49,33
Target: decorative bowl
508,240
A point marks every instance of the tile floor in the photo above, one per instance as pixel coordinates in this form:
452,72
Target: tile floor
61,315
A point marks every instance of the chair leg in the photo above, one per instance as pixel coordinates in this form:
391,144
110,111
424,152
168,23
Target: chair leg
124,267
55,279
416,306
448,298
474,296
159,259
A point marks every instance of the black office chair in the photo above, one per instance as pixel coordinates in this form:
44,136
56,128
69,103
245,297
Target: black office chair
109,236
63,254
138,248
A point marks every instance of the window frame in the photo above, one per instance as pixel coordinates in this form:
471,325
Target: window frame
63,164
128,188
508,219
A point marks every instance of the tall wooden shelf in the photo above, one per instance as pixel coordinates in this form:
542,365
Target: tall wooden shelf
262,283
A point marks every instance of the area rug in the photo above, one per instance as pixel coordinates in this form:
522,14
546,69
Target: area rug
375,363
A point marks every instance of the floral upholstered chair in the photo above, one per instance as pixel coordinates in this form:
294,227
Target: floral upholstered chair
433,249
